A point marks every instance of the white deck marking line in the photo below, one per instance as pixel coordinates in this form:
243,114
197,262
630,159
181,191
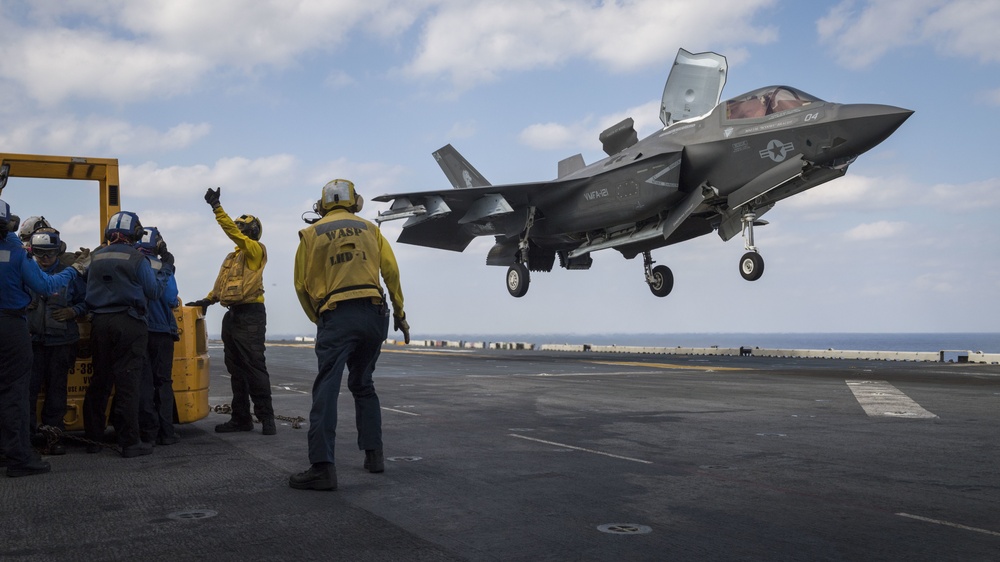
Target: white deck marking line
881,399
949,524
400,411
579,448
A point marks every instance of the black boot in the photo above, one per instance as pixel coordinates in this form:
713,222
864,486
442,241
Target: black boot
233,426
374,460
267,426
30,468
320,476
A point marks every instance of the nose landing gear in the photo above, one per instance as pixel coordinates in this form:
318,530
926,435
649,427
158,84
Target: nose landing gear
751,264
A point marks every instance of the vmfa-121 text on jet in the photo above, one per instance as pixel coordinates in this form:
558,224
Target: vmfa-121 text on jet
714,166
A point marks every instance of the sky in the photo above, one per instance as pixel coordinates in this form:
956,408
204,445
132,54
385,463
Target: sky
270,99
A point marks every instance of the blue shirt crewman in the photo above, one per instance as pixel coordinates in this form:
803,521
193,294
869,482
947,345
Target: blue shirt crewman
54,333
337,268
119,286
18,274
159,399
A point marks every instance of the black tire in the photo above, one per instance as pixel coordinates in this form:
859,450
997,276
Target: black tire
751,266
517,280
663,281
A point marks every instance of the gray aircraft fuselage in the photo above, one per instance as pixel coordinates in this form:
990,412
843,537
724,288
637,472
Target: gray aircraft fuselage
654,174
715,172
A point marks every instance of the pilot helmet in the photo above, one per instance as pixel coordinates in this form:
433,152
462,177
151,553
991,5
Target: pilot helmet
250,226
339,193
123,224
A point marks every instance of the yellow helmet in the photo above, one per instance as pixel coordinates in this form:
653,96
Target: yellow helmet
339,193
250,226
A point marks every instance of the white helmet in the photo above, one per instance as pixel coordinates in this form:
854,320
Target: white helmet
29,226
339,193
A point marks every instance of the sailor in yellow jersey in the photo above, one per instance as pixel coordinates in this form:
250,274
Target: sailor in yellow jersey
337,268
240,288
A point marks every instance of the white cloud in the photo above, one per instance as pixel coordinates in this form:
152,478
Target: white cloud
859,35
474,42
974,196
876,231
235,175
583,135
96,134
125,51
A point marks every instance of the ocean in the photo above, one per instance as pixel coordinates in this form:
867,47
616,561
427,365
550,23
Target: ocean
984,342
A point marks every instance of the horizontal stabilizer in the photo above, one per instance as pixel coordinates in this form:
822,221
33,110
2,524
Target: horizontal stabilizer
460,173
569,165
618,137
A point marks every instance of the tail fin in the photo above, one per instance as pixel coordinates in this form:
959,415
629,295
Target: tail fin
460,173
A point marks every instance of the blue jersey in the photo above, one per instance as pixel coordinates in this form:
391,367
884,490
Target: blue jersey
18,274
121,280
160,314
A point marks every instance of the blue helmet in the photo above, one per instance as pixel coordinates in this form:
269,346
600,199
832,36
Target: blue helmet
46,240
124,223
4,212
151,242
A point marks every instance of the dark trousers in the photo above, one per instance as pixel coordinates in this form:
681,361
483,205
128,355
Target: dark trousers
119,343
350,335
49,370
15,378
159,368
243,331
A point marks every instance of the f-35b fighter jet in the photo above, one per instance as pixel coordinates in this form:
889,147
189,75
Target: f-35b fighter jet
713,167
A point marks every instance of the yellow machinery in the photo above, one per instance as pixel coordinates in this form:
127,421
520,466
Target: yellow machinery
190,371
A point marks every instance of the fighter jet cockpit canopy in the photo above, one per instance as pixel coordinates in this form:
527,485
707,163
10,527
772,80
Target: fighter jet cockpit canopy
767,101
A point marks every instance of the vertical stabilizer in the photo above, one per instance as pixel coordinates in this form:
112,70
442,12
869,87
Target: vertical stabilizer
460,173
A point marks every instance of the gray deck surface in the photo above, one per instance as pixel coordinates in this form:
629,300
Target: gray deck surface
528,455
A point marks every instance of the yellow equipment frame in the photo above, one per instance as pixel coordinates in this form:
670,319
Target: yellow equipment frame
191,368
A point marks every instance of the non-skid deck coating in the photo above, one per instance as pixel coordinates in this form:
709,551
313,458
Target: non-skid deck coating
527,455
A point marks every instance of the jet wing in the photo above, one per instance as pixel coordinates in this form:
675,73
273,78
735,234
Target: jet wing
449,219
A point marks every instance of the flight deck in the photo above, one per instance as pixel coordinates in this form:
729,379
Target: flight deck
557,455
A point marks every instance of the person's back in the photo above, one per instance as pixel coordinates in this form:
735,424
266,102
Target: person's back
337,268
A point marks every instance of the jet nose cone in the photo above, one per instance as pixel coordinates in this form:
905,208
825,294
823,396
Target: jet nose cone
864,126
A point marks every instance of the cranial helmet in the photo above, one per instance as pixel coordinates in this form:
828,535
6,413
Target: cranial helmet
339,193
124,224
46,239
250,226
4,214
30,225
151,242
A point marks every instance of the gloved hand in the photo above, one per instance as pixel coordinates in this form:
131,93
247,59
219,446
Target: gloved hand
203,303
399,323
212,197
64,314
166,257
82,262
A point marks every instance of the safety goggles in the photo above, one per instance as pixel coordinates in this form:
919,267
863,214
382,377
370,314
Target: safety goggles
45,253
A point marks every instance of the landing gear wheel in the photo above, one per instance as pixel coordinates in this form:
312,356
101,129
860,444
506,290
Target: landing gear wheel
662,281
517,280
751,266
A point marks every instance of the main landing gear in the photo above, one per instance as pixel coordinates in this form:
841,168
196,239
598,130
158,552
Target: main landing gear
518,277
751,264
517,280
660,279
